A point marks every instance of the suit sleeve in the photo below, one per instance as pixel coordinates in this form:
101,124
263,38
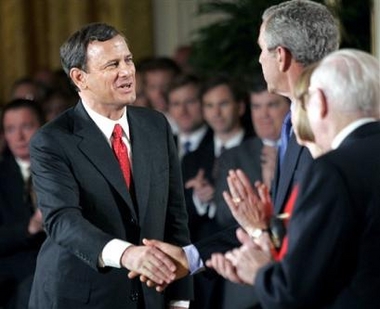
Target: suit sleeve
320,233
58,198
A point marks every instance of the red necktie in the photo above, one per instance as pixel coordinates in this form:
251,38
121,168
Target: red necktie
121,153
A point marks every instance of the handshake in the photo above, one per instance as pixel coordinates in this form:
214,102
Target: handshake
157,263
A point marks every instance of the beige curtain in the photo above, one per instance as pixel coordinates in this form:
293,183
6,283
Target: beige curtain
31,31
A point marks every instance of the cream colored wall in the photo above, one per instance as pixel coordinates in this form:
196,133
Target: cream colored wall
175,21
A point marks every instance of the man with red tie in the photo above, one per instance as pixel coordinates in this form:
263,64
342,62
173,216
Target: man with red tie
107,174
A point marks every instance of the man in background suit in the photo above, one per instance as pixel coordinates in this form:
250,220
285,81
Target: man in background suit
222,106
106,174
21,232
333,249
185,108
257,156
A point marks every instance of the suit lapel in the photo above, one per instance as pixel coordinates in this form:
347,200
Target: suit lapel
140,160
96,148
284,179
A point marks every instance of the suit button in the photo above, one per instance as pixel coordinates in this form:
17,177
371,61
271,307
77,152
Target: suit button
134,296
133,221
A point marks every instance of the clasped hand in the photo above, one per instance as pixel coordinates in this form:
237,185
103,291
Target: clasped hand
163,264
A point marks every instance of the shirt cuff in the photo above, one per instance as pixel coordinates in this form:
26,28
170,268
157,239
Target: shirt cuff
112,253
180,303
193,258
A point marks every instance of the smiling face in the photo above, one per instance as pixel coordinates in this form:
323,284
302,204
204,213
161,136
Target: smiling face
109,80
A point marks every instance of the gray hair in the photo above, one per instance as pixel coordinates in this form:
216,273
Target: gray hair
350,79
306,28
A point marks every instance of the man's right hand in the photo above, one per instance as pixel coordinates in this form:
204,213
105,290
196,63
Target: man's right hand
149,262
177,255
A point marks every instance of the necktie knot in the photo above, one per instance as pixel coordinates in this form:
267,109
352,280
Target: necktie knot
186,147
117,131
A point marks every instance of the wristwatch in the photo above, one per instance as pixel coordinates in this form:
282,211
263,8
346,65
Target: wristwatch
256,233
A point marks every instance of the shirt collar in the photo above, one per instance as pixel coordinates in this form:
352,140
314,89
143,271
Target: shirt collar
271,143
194,137
24,168
107,125
232,142
339,138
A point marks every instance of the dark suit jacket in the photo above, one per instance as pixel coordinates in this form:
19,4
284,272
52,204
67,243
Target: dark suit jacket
85,204
334,244
203,157
246,157
18,249
296,161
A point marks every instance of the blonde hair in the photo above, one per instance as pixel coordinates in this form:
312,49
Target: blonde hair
301,123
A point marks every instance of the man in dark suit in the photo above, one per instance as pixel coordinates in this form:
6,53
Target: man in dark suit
106,174
333,250
282,60
222,106
185,108
21,232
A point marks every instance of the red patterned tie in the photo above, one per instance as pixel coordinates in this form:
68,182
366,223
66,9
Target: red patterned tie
121,153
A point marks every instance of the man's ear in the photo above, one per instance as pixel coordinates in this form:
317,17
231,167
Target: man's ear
78,77
284,58
322,106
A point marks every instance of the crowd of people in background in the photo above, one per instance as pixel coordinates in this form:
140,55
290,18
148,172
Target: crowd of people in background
218,124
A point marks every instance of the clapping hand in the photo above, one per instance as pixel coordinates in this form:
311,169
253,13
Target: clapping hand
251,210
241,264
